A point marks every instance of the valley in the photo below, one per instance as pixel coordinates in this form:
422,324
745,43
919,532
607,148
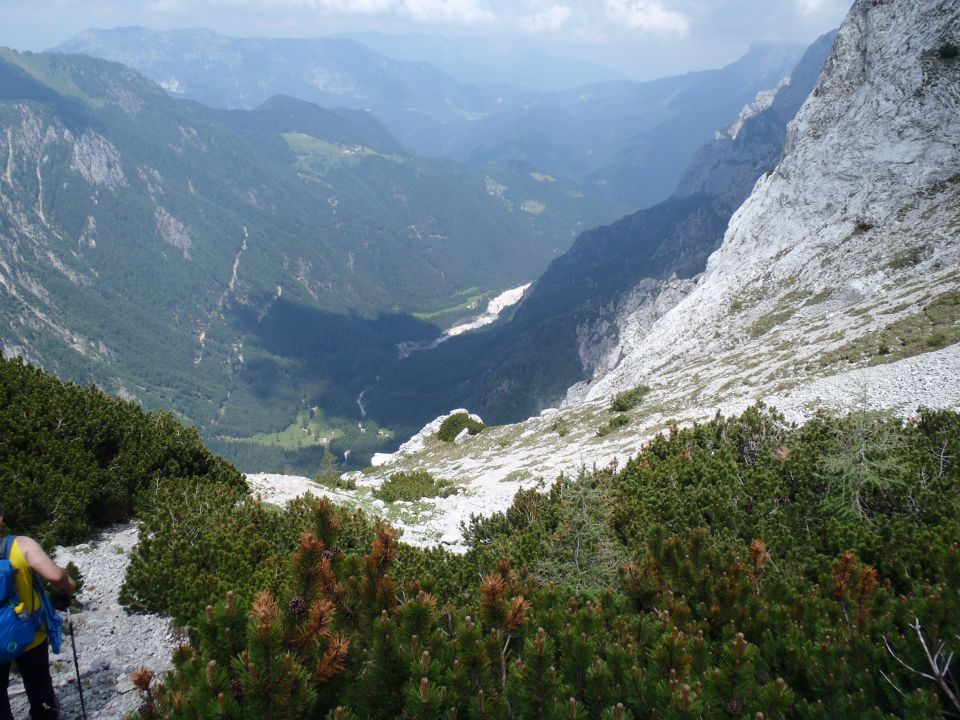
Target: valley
410,377
264,224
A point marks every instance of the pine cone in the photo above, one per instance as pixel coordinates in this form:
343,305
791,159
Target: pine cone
236,688
298,606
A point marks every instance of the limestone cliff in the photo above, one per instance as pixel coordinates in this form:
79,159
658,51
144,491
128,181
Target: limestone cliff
855,232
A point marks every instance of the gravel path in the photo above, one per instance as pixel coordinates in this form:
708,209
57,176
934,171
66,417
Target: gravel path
111,642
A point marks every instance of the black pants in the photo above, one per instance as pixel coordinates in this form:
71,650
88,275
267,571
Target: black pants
34,666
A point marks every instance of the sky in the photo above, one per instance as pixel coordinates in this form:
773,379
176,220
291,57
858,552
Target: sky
641,38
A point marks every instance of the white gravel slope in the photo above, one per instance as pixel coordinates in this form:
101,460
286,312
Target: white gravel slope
111,643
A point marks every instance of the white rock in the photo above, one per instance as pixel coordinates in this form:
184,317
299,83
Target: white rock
379,459
864,178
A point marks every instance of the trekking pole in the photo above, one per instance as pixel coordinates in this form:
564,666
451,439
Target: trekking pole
76,663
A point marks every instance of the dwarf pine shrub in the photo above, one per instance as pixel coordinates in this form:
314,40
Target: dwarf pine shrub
413,486
454,425
614,423
629,399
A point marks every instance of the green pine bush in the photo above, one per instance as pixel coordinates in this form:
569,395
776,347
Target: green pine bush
613,424
629,399
413,486
454,425
738,568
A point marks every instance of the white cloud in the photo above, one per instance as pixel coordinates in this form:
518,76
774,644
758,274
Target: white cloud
647,15
808,7
550,20
349,7
166,6
467,12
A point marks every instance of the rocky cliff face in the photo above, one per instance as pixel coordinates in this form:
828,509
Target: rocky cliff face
854,236
722,174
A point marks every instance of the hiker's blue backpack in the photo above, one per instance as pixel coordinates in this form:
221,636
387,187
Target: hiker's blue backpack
19,628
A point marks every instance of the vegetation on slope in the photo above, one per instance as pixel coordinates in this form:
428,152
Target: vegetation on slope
73,459
412,486
738,567
456,424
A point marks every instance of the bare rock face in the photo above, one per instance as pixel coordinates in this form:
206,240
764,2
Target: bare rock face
865,203
173,231
97,161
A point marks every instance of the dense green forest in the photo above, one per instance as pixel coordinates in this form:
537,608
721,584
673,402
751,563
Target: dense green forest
237,267
739,568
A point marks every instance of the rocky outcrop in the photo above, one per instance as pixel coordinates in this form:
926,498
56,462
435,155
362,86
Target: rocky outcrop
864,205
97,161
761,102
421,440
173,231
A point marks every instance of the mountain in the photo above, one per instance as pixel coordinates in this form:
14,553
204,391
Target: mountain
239,266
848,253
490,61
567,326
836,286
424,106
628,141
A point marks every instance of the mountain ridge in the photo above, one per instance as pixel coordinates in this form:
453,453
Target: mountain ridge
626,140
573,307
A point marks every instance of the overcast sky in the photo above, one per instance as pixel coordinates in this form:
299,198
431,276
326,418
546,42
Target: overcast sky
644,38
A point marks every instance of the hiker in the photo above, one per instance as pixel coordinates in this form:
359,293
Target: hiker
28,558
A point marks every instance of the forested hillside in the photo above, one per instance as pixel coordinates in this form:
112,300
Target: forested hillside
231,266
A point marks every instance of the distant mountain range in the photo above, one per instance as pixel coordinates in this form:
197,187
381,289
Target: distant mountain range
490,61
421,105
627,140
